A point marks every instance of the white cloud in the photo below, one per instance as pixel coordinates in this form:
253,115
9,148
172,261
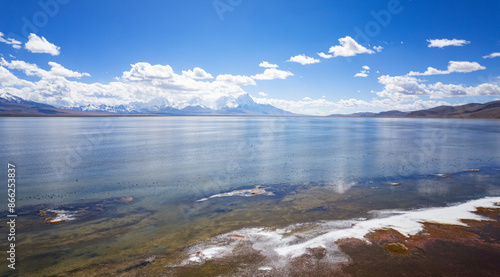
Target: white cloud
29,69
38,44
406,88
15,43
8,79
348,47
453,66
364,72
441,90
58,70
378,48
236,80
325,56
144,71
303,59
464,67
268,65
272,73
145,82
492,55
324,107
402,88
142,83
197,73
446,42
305,106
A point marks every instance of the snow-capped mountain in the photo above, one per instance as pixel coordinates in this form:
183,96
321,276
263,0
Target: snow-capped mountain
11,98
226,105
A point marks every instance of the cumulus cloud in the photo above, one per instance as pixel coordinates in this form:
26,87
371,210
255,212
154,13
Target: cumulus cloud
325,107
142,83
453,66
306,105
348,47
303,59
144,71
197,73
238,80
391,104
446,42
407,88
28,68
38,44
441,90
402,88
492,55
58,70
8,79
55,71
272,73
15,43
267,65
145,82
364,72
325,56
378,48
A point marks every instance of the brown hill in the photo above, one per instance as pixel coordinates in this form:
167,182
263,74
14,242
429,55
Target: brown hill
474,110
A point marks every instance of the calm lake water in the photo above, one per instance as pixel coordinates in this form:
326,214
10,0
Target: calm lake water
134,182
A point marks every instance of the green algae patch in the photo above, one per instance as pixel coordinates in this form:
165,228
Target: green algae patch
397,248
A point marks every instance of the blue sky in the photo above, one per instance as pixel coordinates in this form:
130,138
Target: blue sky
91,45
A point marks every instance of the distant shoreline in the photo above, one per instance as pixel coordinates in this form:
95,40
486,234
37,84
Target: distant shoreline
489,110
221,115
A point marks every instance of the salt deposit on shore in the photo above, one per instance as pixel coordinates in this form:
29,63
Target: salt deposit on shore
280,245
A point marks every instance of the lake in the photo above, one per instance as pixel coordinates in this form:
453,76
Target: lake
122,190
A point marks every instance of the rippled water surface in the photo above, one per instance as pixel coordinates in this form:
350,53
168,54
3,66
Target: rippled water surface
130,185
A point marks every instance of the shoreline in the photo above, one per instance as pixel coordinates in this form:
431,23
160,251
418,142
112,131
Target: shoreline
93,238
383,248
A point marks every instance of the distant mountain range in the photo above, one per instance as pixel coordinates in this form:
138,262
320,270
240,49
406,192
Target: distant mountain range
241,106
15,106
227,105
474,110
368,114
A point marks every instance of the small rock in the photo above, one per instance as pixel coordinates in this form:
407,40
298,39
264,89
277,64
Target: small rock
236,236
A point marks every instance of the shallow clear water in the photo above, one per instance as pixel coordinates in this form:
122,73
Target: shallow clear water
312,165
193,155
